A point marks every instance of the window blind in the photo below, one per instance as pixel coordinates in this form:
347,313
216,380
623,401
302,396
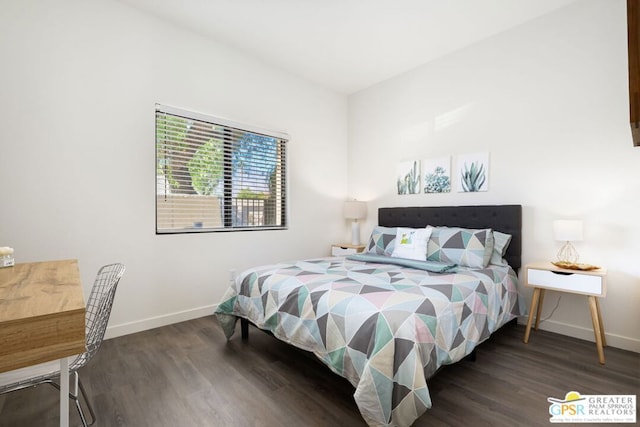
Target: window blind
217,175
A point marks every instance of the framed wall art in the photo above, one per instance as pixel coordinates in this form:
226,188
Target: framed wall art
473,172
437,175
408,177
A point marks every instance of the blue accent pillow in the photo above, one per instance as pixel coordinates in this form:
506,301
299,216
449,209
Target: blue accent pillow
432,266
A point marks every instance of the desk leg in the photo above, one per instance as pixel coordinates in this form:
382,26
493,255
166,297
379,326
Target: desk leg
64,392
534,303
593,305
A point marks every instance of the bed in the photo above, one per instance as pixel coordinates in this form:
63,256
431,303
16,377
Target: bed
388,323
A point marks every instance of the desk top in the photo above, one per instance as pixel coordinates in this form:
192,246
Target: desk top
42,312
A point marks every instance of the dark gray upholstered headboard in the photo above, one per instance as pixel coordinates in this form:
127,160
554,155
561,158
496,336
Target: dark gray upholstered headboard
504,218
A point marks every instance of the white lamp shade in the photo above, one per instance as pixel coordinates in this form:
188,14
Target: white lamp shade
354,209
567,230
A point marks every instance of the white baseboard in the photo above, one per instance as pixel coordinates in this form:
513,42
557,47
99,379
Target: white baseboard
157,321
613,340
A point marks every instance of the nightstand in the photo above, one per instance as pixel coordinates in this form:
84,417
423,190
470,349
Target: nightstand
544,275
344,249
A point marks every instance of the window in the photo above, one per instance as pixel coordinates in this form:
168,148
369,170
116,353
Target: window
215,175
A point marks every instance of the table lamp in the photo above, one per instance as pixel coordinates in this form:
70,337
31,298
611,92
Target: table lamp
355,210
567,230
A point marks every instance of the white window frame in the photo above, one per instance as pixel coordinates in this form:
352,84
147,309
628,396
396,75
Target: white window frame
224,210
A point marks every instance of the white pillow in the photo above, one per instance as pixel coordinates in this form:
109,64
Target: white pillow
412,243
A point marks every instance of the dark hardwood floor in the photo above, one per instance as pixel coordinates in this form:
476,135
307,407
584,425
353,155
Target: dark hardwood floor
187,374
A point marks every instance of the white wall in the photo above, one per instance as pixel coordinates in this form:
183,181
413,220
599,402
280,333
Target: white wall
548,100
78,85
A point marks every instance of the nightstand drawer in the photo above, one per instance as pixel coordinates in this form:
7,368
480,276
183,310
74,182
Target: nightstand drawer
342,251
572,282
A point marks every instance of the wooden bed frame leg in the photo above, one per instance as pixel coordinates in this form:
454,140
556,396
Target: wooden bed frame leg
244,328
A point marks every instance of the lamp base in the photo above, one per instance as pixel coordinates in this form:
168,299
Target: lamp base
568,253
355,233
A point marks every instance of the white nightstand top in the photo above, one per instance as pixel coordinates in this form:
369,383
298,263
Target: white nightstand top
547,265
344,249
349,245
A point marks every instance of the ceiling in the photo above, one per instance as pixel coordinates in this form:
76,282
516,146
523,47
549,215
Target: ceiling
348,45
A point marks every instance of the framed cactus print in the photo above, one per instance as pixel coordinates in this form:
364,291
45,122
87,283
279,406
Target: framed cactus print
473,172
437,175
408,178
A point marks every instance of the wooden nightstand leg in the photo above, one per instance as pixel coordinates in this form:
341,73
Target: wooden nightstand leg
539,310
604,340
534,303
593,305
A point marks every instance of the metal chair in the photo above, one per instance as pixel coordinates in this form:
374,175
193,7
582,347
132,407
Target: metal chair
98,310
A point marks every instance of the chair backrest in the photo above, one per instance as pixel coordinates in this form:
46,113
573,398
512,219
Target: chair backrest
98,310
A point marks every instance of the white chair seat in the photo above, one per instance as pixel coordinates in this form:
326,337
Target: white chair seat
23,374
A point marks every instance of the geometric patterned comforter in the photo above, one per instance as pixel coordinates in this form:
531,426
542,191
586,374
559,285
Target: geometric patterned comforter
383,327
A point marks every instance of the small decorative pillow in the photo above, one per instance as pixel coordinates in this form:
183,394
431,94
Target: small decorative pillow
411,243
382,240
462,246
500,244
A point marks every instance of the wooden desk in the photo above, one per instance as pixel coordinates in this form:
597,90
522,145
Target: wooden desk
42,312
